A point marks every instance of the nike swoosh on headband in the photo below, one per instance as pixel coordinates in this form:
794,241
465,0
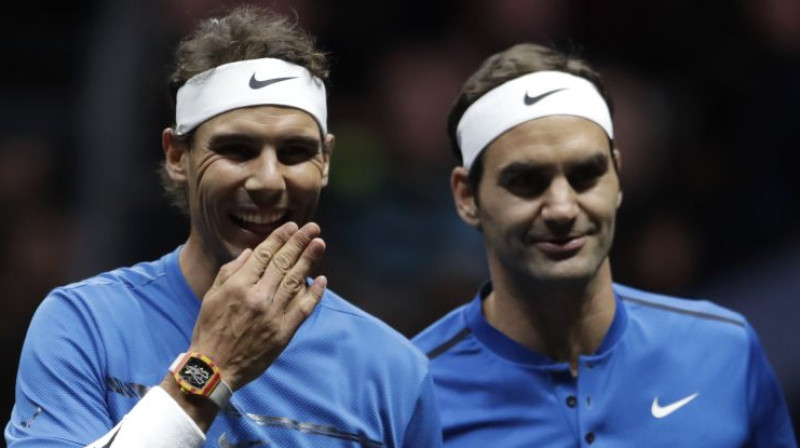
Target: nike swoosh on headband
256,84
531,100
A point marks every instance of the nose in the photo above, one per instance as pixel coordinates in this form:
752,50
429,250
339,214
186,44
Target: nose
560,205
264,176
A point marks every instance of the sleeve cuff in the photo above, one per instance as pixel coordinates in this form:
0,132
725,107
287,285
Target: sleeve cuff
157,421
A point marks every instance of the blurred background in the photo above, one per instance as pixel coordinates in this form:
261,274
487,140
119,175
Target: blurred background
706,95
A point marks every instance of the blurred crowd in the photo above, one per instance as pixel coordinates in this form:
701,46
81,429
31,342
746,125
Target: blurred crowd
706,117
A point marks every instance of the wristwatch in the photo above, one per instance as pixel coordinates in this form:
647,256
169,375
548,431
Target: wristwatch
196,374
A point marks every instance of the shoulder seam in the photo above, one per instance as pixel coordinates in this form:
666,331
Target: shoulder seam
447,345
361,315
372,321
673,309
96,281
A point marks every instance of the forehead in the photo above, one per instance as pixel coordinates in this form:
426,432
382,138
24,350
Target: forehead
262,121
549,140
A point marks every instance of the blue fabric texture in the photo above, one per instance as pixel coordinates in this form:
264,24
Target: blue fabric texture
670,373
95,347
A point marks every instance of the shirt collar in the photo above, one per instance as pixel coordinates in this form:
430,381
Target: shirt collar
509,349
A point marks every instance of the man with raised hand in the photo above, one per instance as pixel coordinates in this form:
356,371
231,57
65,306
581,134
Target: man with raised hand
224,342
551,352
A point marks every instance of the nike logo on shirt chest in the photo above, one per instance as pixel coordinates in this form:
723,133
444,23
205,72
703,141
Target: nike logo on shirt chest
660,411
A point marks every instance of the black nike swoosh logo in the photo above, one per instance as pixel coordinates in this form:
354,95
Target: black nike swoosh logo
531,100
256,84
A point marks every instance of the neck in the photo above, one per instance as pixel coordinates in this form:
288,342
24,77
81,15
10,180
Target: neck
197,266
561,321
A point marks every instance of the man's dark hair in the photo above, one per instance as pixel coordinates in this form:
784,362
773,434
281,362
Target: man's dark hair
245,32
502,67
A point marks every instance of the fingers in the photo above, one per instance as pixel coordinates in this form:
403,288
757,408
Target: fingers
286,258
303,304
295,280
228,269
258,302
254,268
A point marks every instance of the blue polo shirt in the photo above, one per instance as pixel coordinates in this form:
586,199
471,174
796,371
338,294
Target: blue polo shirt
94,348
669,373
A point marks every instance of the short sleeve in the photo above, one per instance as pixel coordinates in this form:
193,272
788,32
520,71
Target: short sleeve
769,416
424,428
60,388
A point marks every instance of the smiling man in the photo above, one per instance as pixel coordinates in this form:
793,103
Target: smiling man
551,352
224,342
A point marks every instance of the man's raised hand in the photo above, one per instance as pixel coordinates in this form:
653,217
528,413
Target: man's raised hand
258,301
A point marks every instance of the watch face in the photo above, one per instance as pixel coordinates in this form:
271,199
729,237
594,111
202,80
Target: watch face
196,372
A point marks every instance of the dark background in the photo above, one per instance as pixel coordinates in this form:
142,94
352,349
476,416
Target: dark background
706,96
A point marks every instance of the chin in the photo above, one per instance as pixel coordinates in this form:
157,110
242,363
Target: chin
574,271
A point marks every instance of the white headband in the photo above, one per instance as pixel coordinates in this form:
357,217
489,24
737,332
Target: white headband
253,82
526,98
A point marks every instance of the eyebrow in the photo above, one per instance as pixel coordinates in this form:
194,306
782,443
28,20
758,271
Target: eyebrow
302,140
225,139
515,168
249,139
598,161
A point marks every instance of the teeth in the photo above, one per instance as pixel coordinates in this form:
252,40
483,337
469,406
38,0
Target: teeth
259,218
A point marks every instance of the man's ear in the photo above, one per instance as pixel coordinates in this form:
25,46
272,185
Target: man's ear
618,163
464,196
327,151
173,155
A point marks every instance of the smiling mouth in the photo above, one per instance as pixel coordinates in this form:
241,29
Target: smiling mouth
561,247
259,222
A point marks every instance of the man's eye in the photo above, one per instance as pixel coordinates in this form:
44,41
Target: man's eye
292,155
236,151
525,184
585,178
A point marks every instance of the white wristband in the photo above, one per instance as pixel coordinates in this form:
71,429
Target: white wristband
157,421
